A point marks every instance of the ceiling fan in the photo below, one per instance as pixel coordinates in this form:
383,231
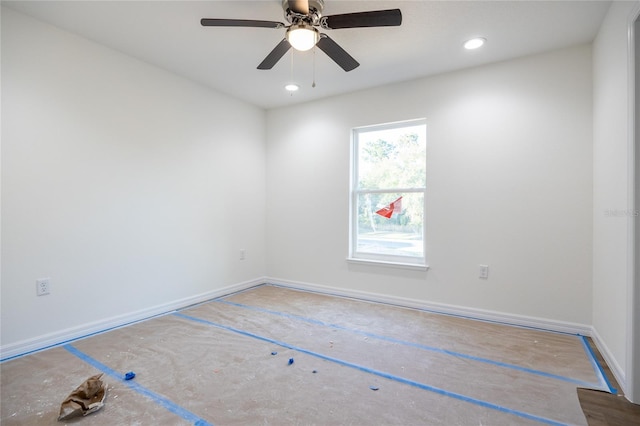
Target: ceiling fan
304,18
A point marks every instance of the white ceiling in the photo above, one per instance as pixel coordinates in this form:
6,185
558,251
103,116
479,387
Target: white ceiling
429,41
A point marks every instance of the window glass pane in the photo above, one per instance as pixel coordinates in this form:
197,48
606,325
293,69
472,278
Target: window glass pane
390,224
392,158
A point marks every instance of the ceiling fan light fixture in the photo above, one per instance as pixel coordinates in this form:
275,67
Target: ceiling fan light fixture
474,43
291,87
302,37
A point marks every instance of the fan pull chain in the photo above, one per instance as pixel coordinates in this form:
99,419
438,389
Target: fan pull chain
313,84
291,79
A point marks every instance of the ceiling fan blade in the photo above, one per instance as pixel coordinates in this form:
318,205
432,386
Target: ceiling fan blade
337,53
299,6
375,18
275,55
214,22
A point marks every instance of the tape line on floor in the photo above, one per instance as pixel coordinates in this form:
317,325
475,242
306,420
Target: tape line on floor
378,373
581,383
158,399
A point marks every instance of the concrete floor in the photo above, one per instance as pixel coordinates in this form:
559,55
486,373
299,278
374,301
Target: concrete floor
227,362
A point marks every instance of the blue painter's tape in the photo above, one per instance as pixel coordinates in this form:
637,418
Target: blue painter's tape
158,399
415,345
378,373
596,366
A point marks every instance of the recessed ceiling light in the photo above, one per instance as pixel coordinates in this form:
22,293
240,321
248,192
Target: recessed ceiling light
474,43
291,87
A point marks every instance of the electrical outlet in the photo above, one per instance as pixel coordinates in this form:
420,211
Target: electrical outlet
484,272
43,286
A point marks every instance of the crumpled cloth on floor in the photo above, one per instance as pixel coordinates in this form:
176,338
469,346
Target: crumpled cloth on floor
85,399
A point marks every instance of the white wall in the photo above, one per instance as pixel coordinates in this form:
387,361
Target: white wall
509,150
611,251
130,187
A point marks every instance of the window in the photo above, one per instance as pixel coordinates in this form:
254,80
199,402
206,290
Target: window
388,185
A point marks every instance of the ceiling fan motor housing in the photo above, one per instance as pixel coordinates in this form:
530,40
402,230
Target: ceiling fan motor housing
312,18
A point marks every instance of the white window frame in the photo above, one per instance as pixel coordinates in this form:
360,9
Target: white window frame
410,262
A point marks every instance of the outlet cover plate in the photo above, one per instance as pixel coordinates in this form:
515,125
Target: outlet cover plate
484,272
43,286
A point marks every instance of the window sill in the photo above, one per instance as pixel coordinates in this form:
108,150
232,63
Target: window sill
411,266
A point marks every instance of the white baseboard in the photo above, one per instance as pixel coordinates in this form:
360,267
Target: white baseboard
64,336
618,372
442,308
46,341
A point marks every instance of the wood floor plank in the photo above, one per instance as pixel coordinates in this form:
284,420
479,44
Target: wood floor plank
605,409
